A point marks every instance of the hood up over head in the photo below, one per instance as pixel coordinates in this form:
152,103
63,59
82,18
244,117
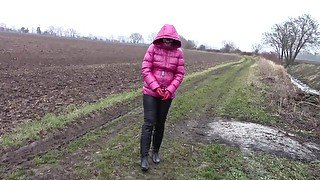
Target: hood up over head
168,31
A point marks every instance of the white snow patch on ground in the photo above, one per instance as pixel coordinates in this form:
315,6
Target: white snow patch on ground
251,136
304,87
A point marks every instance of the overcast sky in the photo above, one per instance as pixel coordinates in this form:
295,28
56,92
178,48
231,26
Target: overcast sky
207,22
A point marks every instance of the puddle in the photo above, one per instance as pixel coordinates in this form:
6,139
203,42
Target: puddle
251,136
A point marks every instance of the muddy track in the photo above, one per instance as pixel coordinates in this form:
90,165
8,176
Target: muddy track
223,88
200,79
59,138
68,160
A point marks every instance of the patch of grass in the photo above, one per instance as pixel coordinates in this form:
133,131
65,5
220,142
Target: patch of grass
17,175
245,102
221,162
50,157
120,153
198,161
283,168
85,140
105,130
30,130
247,105
205,72
84,170
181,159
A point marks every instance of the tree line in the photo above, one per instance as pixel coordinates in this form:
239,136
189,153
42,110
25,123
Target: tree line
135,38
287,39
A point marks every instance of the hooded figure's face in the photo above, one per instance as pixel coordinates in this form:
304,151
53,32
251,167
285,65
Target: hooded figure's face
167,42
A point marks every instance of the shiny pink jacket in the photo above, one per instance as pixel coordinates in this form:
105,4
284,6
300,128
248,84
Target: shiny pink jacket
163,66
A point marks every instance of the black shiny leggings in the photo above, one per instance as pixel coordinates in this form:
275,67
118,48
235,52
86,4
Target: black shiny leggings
155,115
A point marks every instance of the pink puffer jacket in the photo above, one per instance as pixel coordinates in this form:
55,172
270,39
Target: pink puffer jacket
163,66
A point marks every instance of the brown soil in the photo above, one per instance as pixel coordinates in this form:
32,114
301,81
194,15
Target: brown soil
41,75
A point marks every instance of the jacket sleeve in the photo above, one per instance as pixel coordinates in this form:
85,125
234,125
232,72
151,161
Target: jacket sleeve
179,75
146,69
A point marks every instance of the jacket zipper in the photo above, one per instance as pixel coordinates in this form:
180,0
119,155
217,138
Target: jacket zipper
163,73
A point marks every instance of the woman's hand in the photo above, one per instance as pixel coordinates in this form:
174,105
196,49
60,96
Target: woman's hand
160,92
167,95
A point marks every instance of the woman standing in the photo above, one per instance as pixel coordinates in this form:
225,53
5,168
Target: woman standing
163,71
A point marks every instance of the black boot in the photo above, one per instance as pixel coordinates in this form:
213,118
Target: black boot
155,157
144,163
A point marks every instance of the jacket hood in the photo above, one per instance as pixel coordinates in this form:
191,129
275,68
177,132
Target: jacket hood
170,32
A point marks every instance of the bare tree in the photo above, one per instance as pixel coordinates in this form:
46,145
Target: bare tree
24,30
3,27
59,31
122,39
187,44
190,45
71,33
256,48
111,38
202,47
51,31
228,47
290,37
151,37
184,41
136,38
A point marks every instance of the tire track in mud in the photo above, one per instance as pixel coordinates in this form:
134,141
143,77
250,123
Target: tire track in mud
12,158
221,88
69,160
226,84
213,73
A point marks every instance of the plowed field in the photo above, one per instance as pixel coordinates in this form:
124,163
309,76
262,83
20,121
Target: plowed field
41,75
